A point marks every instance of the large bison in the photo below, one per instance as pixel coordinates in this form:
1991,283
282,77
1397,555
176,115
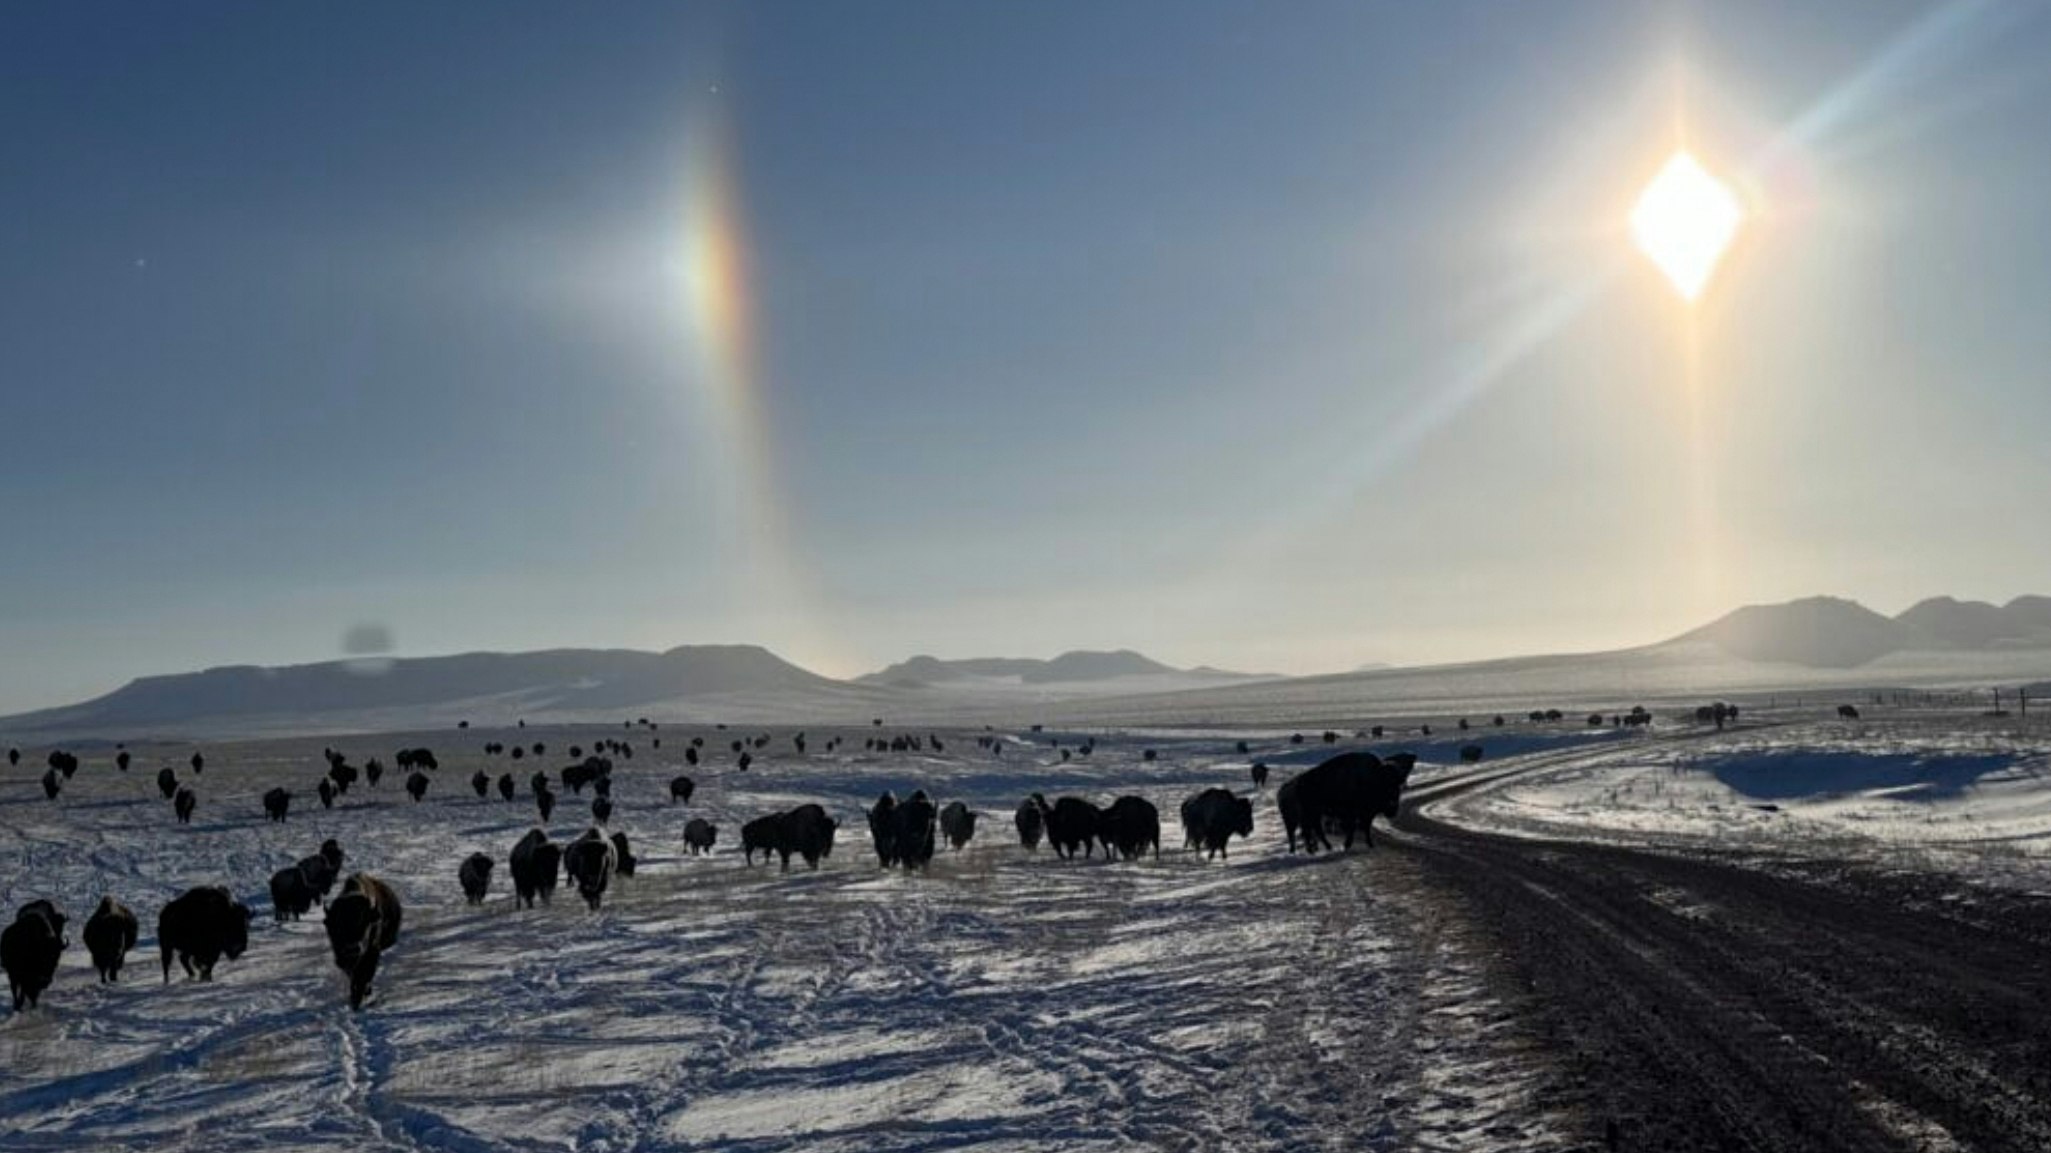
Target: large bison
535,863
1213,817
167,782
1031,819
1072,825
1342,795
183,804
601,809
277,803
199,927
681,788
958,824
52,784
475,877
914,837
590,861
109,934
29,949
1259,772
416,786
294,893
362,923
699,835
806,831
1131,825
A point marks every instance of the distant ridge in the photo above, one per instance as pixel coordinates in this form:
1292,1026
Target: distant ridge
1834,633
1077,666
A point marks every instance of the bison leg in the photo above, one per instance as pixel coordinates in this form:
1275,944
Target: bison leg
359,981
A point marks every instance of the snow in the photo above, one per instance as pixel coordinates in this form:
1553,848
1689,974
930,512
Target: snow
1005,1000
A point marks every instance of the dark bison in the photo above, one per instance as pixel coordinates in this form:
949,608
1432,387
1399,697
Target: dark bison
373,771
52,784
806,831
535,863
322,868
343,774
183,804
362,923
538,782
199,765
277,803
763,835
63,762
1212,818
1470,754
506,786
699,834
1342,794
883,829
122,760
29,949
1031,819
958,824
1131,825
681,788
1259,772
623,855
167,782
109,934
1848,712
480,781
294,893
591,862
544,803
325,790
1072,825
416,786
914,837
199,927
475,876
601,809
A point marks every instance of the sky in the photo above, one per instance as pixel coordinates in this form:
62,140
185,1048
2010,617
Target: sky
1286,340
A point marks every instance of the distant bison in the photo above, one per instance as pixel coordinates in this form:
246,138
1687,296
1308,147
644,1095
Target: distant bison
1470,754
544,803
480,781
506,786
1031,820
958,823
109,934
1342,794
1072,825
1259,773
52,784
1212,818
601,809
623,855
29,949
591,862
535,864
681,788
416,786
1848,712
699,835
1131,825
475,876
325,790
63,762
199,927
362,923
183,804
167,782
277,803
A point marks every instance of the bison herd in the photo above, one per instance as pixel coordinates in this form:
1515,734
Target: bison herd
1334,801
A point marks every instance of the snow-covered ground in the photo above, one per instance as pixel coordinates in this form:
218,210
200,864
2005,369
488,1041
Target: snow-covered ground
1948,790
1004,1000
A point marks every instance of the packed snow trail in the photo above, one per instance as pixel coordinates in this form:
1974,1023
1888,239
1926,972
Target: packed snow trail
1005,999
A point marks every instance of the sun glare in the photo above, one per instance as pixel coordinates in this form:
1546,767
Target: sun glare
1685,221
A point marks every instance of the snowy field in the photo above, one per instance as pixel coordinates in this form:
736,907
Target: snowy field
1952,791
1005,1000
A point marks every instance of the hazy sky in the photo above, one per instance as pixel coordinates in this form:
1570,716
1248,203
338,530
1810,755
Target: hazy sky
1285,337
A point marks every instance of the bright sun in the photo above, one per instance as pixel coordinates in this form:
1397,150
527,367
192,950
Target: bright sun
1684,221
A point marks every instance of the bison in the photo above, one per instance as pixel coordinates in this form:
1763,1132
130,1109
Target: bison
914,836
699,835
681,788
1343,794
535,863
277,803
480,782
1212,818
544,802
601,810
362,923
1072,825
1131,825
958,824
109,934
506,786
294,893
29,949
52,784
416,786
183,804
475,876
1031,820
883,829
1848,712
167,782
199,927
1259,773
623,855
591,862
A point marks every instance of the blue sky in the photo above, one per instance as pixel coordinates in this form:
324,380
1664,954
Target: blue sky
1282,338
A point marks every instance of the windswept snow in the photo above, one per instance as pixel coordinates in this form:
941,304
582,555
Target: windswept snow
1004,1000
